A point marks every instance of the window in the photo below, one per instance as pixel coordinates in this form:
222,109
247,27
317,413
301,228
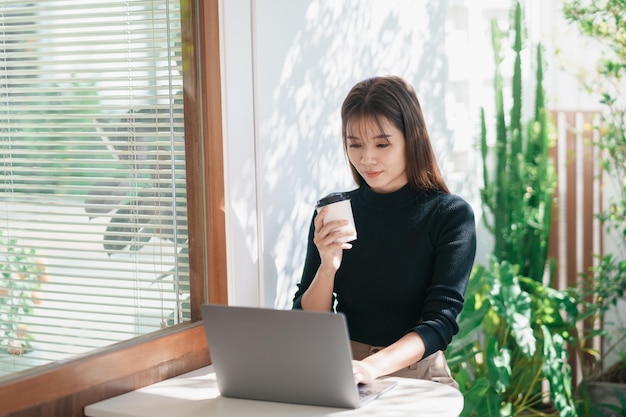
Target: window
93,202
67,387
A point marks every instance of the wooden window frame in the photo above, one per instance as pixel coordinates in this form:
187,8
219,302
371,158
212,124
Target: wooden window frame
65,388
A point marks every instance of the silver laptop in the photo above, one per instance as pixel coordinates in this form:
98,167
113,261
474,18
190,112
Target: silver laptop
290,356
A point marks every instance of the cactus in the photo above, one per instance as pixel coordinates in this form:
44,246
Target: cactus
520,346
518,191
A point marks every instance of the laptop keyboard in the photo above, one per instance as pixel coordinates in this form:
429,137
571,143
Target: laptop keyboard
365,391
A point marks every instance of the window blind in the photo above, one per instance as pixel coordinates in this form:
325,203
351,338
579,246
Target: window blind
93,230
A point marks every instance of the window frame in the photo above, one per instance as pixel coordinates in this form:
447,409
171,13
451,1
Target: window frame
67,387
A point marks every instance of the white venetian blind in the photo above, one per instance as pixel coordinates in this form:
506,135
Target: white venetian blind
93,230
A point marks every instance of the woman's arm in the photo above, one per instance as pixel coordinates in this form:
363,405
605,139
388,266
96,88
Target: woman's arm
455,249
407,350
319,294
454,240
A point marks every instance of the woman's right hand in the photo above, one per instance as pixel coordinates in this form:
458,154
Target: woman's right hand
326,239
319,295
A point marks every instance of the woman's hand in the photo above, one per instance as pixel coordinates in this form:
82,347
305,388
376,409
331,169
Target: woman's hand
319,295
326,239
363,372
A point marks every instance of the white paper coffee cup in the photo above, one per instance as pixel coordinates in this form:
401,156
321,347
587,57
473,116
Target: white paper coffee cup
339,208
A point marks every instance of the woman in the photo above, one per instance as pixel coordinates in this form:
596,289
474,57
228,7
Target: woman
401,283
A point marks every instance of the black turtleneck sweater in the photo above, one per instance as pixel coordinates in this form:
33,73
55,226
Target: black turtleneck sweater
407,270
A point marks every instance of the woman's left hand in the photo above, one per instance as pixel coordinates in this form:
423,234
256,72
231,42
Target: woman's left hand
363,372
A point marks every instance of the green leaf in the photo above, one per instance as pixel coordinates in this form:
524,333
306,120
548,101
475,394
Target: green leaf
498,365
481,400
558,373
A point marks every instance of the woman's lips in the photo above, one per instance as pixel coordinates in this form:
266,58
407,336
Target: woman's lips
372,174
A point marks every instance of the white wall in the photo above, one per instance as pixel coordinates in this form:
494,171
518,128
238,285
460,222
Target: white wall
288,64
306,55
306,65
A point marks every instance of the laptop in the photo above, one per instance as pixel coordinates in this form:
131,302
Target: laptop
289,356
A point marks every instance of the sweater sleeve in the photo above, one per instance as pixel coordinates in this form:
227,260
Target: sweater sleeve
311,264
454,240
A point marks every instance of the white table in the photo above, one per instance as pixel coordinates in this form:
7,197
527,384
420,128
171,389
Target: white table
195,394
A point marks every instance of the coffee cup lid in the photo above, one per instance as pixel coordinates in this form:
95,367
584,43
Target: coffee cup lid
332,198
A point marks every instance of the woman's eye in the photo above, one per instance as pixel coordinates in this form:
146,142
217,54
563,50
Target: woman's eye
382,145
354,145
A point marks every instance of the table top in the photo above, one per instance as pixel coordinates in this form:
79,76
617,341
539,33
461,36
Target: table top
195,394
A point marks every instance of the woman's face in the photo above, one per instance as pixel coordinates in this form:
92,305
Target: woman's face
379,156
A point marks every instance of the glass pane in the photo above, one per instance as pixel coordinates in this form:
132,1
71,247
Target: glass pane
93,221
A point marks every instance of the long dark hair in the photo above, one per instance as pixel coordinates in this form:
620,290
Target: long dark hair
394,99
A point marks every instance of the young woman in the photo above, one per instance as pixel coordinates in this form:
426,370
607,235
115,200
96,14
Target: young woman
401,284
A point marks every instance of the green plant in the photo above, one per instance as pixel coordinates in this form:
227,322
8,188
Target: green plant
512,329
42,133
605,22
518,172
20,285
145,209
511,340
598,291
147,200
604,285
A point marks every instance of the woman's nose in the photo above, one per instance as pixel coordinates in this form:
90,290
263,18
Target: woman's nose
367,156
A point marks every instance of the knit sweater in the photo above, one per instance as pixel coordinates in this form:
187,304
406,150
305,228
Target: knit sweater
407,270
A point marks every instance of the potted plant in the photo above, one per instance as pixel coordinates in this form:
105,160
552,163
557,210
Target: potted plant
602,390
602,288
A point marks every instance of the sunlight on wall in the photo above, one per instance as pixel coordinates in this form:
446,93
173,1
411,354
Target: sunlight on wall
309,62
